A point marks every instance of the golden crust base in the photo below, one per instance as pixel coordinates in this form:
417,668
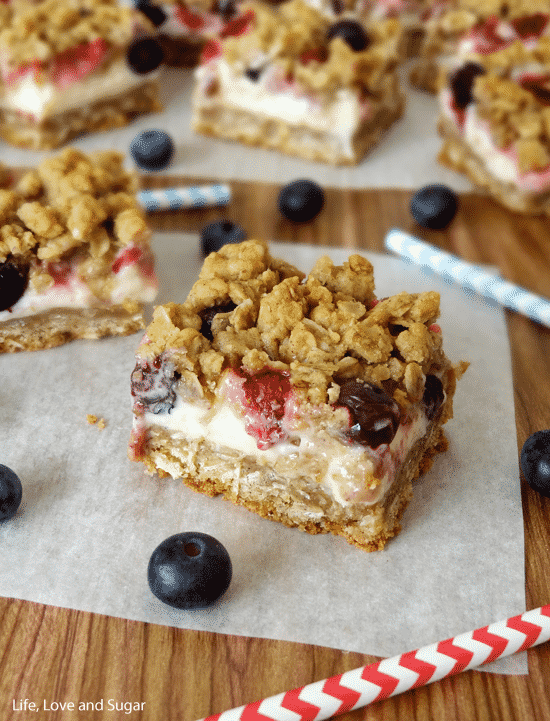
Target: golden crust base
61,325
53,132
302,504
219,120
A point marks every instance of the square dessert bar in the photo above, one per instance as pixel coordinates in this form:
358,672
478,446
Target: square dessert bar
69,67
287,78
457,30
306,400
495,121
75,260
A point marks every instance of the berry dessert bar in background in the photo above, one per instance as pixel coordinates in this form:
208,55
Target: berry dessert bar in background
75,260
73,66
495,121
289,79
306,400
457,30
185,26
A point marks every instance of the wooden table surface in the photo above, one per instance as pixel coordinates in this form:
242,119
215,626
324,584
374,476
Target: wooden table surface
61,655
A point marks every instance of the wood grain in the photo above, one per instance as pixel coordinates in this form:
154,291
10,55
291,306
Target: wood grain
58,654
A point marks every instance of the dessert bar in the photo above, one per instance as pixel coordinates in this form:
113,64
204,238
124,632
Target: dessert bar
287,78
75,260
306,400
69,67
495,121
457,30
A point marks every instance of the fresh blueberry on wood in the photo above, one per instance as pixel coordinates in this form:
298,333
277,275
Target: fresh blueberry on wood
152,150
11,493
535,462
434,206
189,570
301,200
216,235
462,81
155,13
351,32
13,281
145,55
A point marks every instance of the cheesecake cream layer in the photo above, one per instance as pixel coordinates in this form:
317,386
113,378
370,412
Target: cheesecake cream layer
352,473
133,282
501,163
44,100
340,118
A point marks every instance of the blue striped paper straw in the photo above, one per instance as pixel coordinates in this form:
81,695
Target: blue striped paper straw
470,276
193,196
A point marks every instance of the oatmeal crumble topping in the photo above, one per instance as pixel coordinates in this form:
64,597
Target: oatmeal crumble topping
322,330
71,203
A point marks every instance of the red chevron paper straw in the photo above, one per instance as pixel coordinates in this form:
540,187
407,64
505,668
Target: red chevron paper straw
392,676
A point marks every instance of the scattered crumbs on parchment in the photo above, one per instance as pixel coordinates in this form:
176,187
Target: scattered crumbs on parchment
94,420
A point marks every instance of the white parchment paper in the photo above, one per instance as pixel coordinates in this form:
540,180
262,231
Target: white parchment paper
90,518
405,157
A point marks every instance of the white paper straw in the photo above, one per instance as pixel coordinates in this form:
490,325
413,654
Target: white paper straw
193,196
470,276
392,676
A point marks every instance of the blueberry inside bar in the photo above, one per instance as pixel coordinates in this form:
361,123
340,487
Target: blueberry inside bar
75,260
70,67
306,400
287,78
495,113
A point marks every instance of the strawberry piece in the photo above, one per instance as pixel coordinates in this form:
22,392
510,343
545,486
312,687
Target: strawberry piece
262,396
212,49
77,62
238,26
319,54
188,18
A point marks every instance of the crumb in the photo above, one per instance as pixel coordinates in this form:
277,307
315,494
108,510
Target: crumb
94,420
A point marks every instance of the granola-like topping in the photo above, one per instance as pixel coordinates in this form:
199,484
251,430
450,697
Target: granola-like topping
71,203
294,37
323,330
38,32
514,98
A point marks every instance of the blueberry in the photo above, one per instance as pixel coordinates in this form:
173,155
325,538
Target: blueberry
253,74
301,200
351,32
215,235
11,493
434,206
374,415
189,570
535,462
144,55
433,396
226,9
462,81
155,13
152,149
13,281
207,316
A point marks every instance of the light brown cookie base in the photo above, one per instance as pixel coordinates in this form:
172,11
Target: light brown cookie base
53,132
221,120
457,155
301,504
61,325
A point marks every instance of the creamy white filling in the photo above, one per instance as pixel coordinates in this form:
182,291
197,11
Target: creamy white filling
128,283
175,28
344,469
44,100
340,118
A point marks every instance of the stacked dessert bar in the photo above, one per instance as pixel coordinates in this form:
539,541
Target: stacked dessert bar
75,260
495,119
306,400
73,66
290,79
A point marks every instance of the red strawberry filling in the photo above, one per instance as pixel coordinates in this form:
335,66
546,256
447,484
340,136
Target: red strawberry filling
131,255
188,18
238,26
263,398
66,68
